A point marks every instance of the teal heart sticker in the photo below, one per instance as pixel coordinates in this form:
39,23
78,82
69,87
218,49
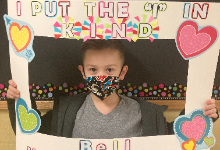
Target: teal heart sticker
195,126
28,119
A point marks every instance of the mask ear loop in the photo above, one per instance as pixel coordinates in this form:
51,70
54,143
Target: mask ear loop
118,77
84,72
121,70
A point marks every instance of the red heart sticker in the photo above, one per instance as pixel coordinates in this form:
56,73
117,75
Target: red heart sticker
192,42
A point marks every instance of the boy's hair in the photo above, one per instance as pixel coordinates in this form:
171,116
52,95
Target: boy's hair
98,44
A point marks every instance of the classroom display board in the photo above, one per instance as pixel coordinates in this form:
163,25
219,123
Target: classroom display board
172,48
156,73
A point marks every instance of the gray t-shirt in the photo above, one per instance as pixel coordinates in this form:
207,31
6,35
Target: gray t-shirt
122,122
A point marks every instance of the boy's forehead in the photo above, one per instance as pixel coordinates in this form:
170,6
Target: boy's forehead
104,56
107,52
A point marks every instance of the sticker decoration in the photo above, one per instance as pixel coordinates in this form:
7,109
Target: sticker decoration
67,27
193,40
113,31
22,46
108,31
95,28
56,29
145,29
28,119
119,28
193,130
209,141
190,145
77,30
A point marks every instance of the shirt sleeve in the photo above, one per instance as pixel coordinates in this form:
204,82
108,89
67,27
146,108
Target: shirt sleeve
12,116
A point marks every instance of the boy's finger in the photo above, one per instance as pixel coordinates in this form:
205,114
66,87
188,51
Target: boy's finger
12,95
213,115
209,112
210,101
208,107
12,83
8,95
14,90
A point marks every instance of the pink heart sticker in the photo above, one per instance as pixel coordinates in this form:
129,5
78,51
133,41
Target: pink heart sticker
191,41
194,129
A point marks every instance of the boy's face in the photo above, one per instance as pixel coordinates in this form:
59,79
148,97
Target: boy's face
103,62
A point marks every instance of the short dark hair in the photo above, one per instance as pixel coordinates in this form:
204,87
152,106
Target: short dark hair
98,44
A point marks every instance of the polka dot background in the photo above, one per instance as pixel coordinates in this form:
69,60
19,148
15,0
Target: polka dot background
148,92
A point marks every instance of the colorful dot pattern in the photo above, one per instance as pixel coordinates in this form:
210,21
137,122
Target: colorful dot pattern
148,92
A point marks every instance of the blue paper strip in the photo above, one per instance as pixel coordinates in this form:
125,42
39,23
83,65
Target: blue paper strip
57,30
155,35
77,29
135,26
129,24
107,37
86,23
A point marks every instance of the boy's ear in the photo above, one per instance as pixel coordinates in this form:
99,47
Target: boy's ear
80,67
123,72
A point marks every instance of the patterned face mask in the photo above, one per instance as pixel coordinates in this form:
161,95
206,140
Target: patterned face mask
102,86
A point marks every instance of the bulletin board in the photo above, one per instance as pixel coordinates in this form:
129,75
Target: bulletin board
167,82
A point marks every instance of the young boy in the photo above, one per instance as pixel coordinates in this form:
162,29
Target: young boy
103,113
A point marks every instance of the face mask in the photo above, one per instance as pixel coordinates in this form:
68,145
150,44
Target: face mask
102,86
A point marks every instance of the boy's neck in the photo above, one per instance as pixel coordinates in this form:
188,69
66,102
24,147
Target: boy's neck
108,104
110,100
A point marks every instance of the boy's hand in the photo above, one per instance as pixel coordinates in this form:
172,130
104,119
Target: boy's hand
12,91
210,109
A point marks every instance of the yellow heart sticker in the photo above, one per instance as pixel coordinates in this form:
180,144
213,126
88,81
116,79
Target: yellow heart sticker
190,145
20,36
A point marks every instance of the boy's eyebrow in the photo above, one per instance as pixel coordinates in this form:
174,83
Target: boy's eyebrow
111,65
91,65
105,66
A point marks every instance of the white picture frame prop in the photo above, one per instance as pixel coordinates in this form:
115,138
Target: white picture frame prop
167,15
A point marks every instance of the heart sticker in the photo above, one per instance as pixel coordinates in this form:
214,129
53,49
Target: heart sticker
190,145
192,40
20,36
209,141
28,119
197,126
194,127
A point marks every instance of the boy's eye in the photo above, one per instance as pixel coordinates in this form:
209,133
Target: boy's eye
109,69
92,69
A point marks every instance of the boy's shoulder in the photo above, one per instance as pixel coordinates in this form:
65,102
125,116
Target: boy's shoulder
62,101
62,96
64,112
